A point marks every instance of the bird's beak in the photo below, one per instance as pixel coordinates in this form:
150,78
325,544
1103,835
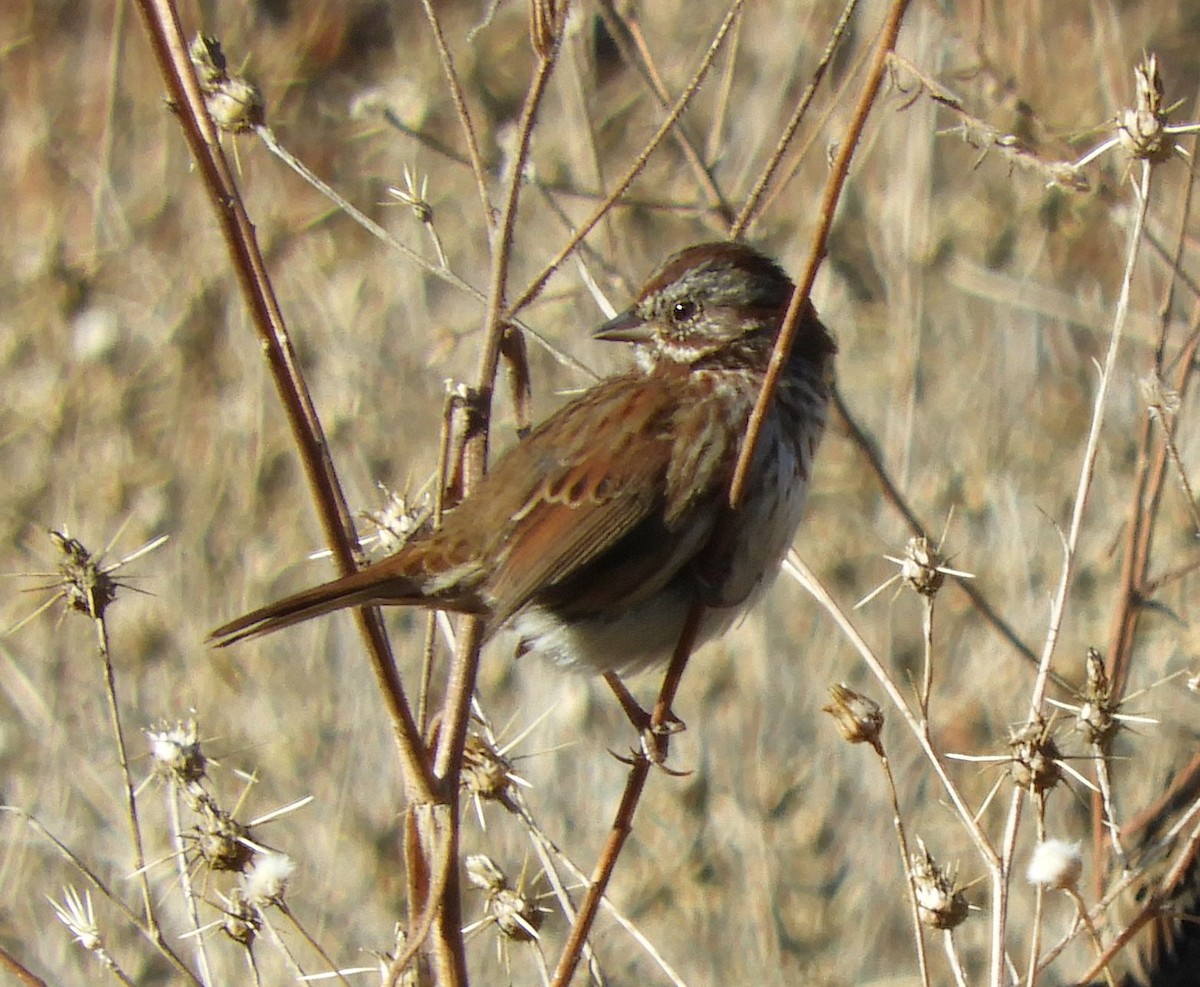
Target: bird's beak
626,327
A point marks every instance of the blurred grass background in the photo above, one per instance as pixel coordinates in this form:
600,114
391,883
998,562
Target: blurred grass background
969,302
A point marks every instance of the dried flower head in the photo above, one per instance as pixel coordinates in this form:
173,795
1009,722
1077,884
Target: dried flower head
921,567
415,195
859,718
242,920
484,873
1035,758
85,586
78,915
234,103
1161,398
221,841
486,773
1096,718
176,752
940,903
516,915
399,520
1055,864
265,882
1141,129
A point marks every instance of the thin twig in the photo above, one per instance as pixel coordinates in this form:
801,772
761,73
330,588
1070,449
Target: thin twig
185,882
750,207
152,936
816,253
1070,541
795,567
627,28
868,449
538,283
464,115
131,810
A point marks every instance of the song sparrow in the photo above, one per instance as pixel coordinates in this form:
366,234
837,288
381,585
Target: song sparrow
594,536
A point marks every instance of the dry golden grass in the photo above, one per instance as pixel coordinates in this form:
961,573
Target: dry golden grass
969,301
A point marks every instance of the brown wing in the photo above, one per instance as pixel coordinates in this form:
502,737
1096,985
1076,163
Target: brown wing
591,475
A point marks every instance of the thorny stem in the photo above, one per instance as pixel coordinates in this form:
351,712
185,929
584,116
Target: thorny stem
449,755
1093,932
960,979
795,567
1151,904
1145,497
448,955
635,784
18,970
927,677
1104,783
867,448
649,71
1039,901
313,942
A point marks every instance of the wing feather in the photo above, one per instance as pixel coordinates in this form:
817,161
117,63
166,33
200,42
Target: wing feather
592,495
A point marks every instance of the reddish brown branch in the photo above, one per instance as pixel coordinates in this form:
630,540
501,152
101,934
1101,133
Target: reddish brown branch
167,42
829,200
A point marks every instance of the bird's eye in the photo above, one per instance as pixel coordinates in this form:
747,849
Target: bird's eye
685,311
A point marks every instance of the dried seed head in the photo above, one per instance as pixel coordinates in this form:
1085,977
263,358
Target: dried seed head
237,106
1161,398
922,565
221,841
1141,129
234,103
940,903
208,60
415,972
858,718
1096,718
267,879
86,587
79,916
516,915
176,752
399,520
1055,864
484,874
242,920
486,772
1035,758
415,195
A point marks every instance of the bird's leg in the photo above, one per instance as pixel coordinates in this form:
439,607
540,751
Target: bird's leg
654,735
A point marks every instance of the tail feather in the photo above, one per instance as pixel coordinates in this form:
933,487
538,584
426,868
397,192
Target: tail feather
366,587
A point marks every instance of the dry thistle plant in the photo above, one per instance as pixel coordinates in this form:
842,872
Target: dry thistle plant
1000,238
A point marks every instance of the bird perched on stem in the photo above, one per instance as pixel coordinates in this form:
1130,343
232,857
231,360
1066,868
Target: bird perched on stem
595,536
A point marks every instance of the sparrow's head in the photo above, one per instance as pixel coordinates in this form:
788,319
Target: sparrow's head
706,299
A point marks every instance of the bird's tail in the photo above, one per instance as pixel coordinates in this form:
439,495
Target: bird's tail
366,587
